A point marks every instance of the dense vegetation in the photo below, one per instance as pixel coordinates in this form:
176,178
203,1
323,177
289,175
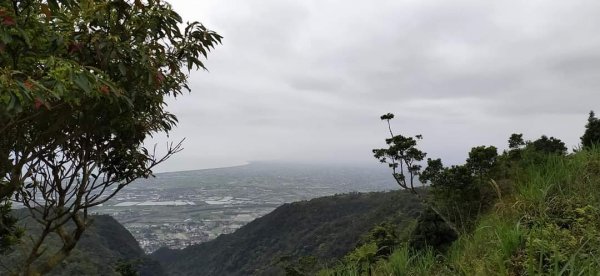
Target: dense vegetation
296,238
538,212
106,248
82,85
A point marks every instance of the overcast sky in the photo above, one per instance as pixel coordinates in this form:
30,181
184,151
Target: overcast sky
307,80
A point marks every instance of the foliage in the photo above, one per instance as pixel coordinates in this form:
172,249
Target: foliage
126,268
481,160
545,219
457,194
431,232
549,145
303,266
402,156
9,232
385,236
83,84
362,257
515,145
461,192
326,228
404,261
567,227
591,136
515,141
104,246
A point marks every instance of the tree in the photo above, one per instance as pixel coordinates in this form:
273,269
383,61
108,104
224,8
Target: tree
455,192
431,231
515,141
83,83
515,145
9,232
591,136
385,236
127,268
481,160
403,157
549,145
459,191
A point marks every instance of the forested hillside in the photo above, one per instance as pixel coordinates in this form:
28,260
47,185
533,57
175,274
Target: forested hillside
107,248
532,210
300,237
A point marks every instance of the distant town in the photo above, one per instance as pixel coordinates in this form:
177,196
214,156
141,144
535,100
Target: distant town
179,209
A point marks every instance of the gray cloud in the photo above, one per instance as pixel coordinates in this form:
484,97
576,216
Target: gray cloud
307,80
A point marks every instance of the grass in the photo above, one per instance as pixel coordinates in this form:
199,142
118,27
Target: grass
548,225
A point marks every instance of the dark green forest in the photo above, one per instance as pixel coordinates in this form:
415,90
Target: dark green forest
299,237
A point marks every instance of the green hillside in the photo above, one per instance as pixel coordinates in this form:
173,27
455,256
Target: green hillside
545,219
104,247
298,237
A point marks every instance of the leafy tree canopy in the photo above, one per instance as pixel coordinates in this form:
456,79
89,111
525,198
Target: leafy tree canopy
482,159
549,145
515,141
591,136
82,84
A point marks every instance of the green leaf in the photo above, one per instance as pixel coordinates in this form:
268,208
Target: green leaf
25,38
83,83
6,38
15,103
122,69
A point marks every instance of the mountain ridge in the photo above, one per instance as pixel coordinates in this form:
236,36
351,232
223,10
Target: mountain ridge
326,228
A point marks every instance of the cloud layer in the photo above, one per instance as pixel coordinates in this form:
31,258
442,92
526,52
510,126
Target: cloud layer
307,80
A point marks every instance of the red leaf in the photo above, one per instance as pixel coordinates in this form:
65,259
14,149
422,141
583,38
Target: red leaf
38,103
74,47
8,20
28,85
104,89
160,77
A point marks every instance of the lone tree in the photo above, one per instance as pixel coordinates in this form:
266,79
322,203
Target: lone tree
591,136
516,145
82,84
515,141
403,157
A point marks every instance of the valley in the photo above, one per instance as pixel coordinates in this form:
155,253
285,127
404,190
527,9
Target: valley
179,209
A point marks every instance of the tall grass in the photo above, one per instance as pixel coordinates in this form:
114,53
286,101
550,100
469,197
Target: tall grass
406,262
548,225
